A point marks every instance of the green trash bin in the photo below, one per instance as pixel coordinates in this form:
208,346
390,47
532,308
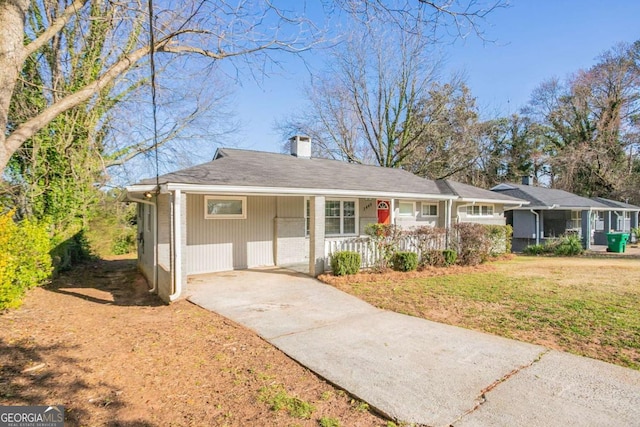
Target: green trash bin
617,242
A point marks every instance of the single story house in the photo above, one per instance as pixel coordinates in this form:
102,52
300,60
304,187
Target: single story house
249,209
552,213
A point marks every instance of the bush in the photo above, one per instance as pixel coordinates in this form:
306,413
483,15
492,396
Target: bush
385,239
473,243
536,250
124,243
450,256
436,258
570,245
24,259
71,251
500,238
345,262
433,258
404,261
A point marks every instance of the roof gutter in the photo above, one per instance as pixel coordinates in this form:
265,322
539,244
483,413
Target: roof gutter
498,201
271,191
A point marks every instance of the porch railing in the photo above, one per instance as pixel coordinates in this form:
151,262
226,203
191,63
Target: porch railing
370,252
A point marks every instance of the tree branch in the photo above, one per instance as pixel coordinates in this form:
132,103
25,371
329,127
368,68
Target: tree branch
53,29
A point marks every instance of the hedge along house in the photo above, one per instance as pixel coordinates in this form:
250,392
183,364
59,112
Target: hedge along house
552,213
249,209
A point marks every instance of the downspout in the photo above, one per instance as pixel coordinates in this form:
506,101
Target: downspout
448,222
537,225
154,285
177,240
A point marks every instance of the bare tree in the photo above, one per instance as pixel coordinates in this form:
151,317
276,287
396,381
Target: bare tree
449,132
243,30
364,107
219,30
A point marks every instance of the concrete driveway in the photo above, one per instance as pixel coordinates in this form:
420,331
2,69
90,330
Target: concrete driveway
418,371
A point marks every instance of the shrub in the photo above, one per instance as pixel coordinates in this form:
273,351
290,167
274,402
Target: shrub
500,238
473,244
385,239
429,238
71,251
436,258
24,259
433,258
570,245
404,261
124,243
345,262
450,256
536,250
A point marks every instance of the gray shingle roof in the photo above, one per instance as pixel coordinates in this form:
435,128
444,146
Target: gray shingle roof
246,168
470,192
234,167
545,198
615,204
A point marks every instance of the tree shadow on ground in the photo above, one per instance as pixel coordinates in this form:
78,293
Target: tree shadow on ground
32,374
115,282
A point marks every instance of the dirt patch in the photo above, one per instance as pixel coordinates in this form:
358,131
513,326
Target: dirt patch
98,343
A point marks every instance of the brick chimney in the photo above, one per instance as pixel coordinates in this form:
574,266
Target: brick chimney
300,146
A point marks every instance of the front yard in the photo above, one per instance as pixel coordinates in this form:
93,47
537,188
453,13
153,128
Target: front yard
585,306
98,343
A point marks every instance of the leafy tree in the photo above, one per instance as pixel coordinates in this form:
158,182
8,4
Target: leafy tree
590,121
511,147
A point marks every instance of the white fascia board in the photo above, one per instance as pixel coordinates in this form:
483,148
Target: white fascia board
610,208
494,201
137,188
288,191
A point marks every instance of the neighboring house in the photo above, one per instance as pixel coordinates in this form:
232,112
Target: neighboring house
248,209
552,213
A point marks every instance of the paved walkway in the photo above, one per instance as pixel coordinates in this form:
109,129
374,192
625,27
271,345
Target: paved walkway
418,371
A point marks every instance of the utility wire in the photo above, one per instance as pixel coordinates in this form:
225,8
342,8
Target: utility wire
154,104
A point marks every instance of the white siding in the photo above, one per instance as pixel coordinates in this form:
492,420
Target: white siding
164,234
292,246
227,244
460,214
417,220
368,214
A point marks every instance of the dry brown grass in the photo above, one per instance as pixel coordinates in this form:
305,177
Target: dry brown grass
588,306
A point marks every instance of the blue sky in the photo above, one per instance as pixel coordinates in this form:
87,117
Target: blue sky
534,40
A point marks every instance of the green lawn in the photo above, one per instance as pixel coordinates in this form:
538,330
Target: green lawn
585,306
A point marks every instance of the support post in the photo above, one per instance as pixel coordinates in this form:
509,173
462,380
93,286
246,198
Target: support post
607,222
316,235
586,229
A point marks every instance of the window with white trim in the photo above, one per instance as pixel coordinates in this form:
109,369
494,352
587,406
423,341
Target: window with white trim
429,209
339,217
576,220
406,208
480,210
222,207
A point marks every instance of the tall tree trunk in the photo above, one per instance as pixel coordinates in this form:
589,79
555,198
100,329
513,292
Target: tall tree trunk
12,16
